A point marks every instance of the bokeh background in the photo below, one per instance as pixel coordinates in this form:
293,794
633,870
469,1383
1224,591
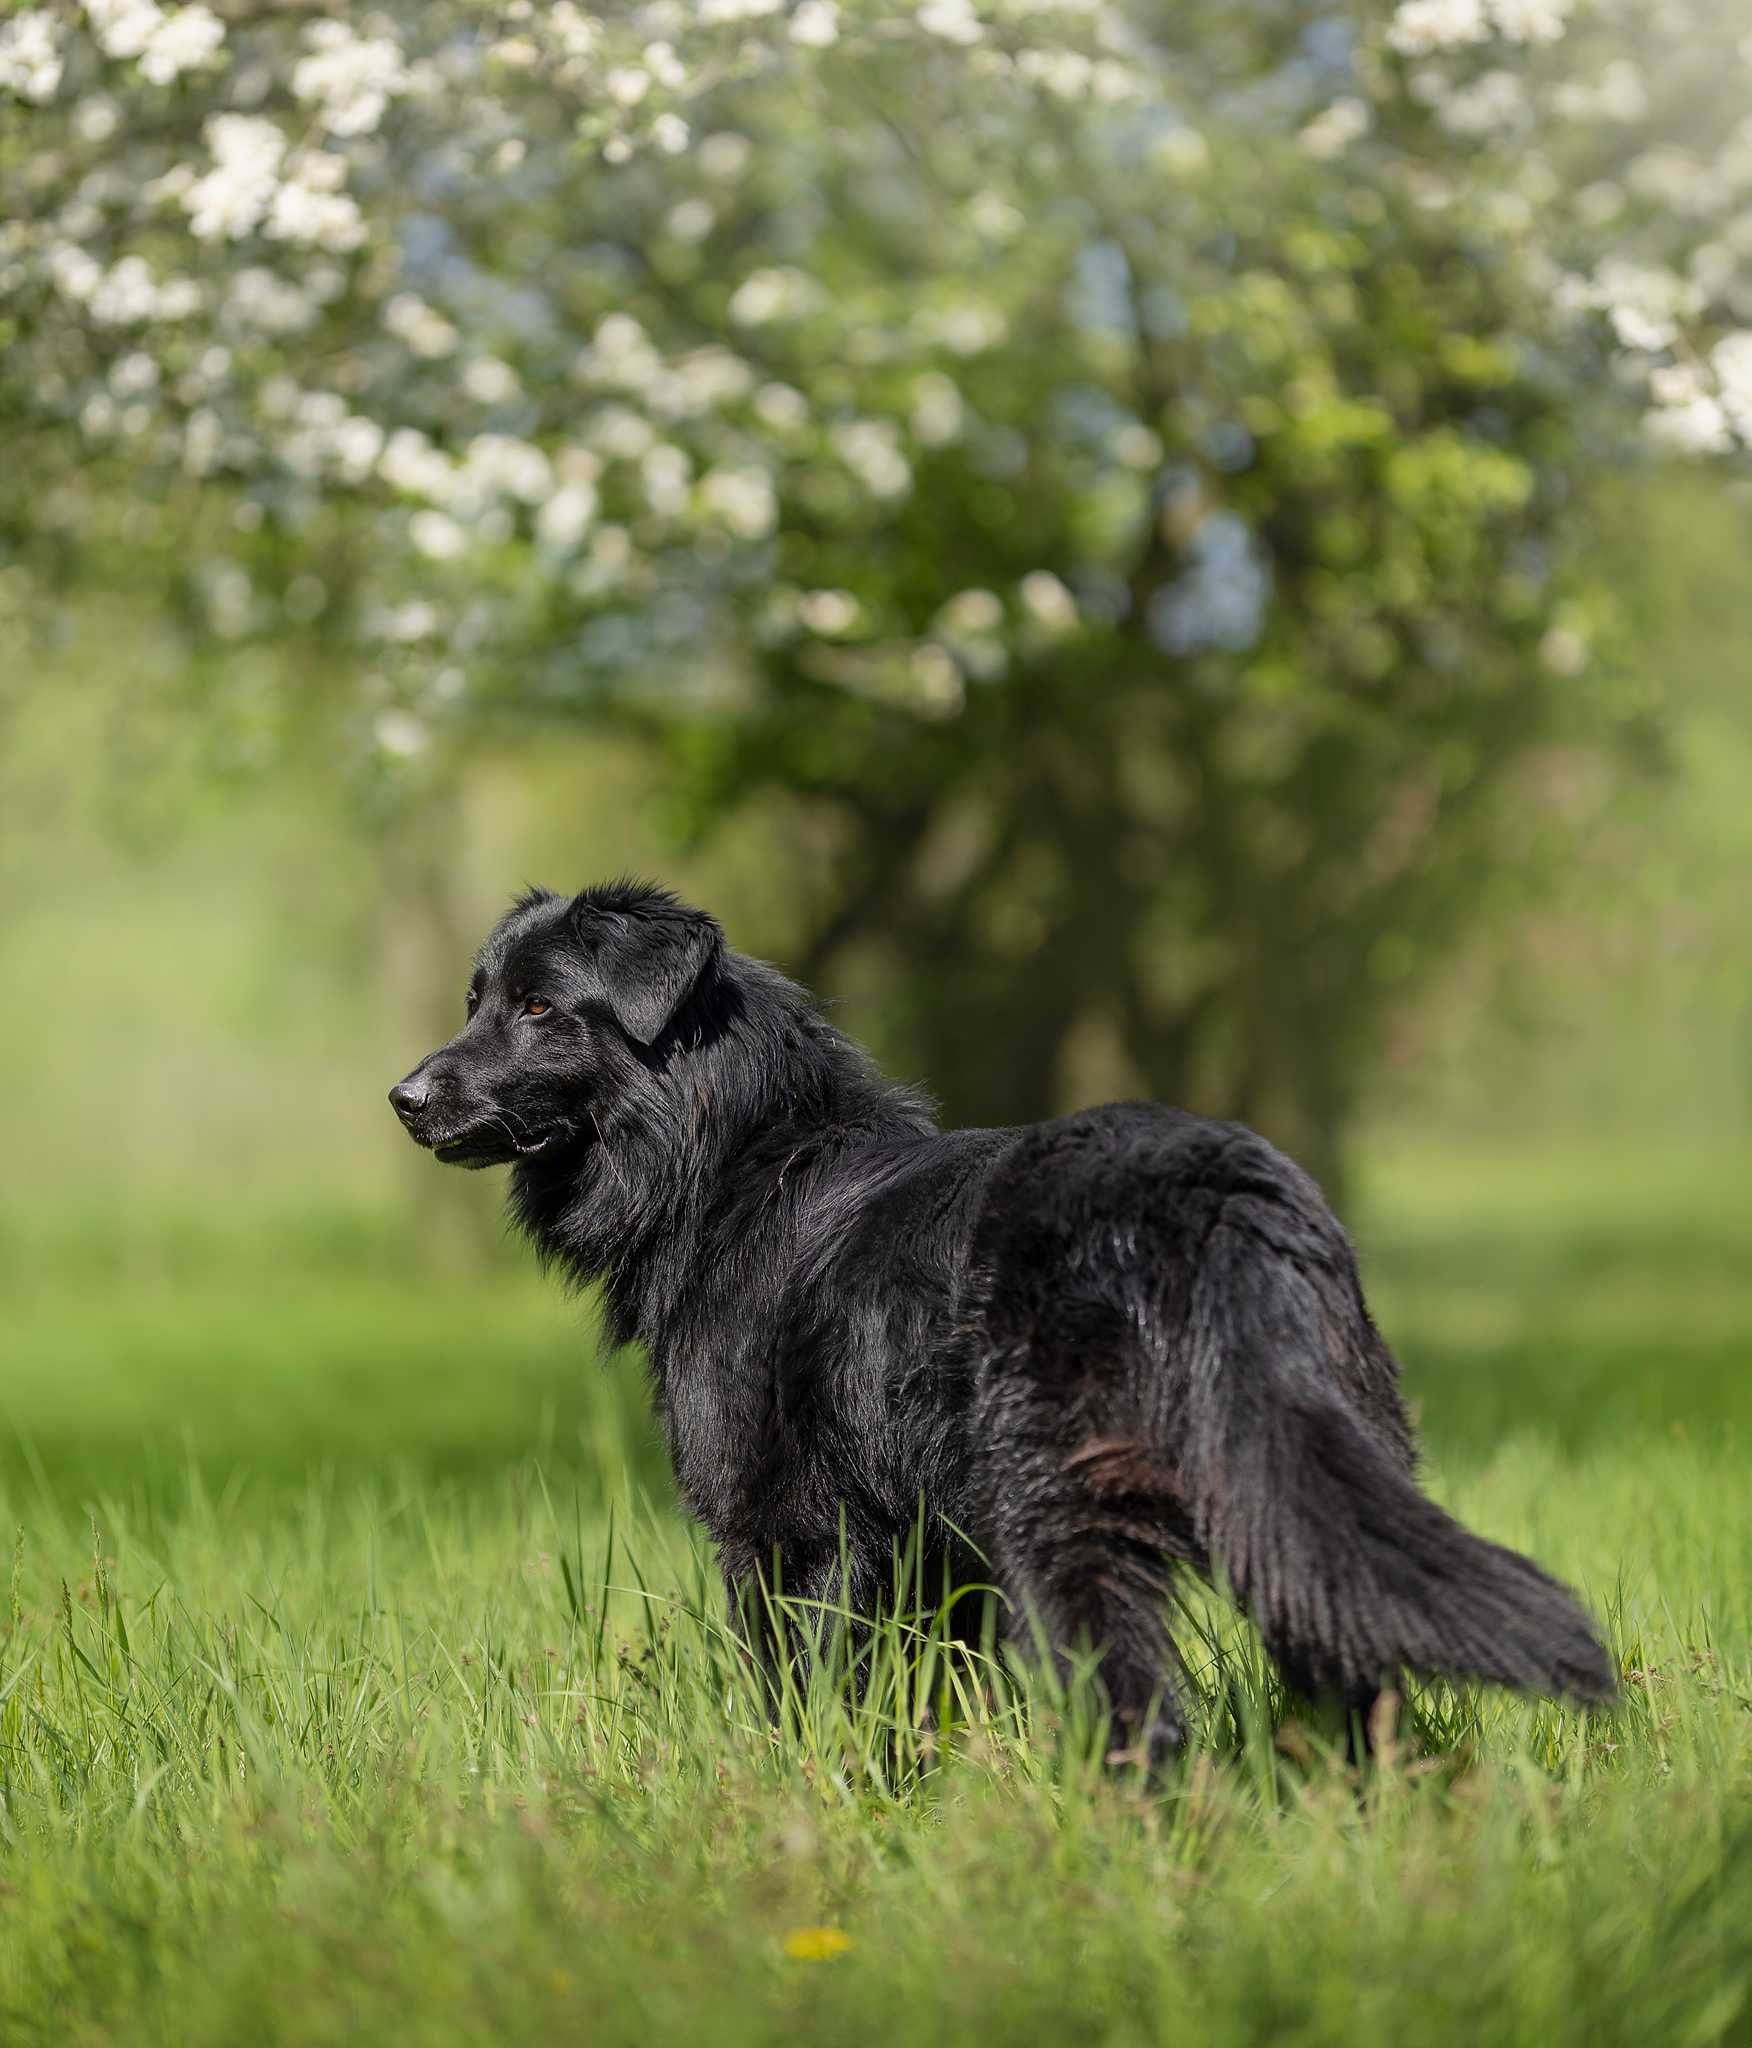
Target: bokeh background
1199,556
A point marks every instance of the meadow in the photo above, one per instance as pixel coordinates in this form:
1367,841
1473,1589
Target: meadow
359,1681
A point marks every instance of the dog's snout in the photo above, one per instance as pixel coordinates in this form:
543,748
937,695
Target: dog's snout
407,1098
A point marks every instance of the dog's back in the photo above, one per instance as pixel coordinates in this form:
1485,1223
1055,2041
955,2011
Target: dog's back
1175,1365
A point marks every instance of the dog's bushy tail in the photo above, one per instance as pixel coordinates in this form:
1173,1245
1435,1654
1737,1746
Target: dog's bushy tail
1348,1570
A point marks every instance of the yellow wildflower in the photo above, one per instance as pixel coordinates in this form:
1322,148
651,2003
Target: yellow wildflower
816,1944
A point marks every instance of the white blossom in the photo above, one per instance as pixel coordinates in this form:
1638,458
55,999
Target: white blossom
937,677
724,156
953,20
316,218
621,433
1421,27
1643,302
166,44
262,299
74,272
937,409
203,442
781,408
422,327
994,217
1530,21
437,535
781,293
229,596
828,612
1182,151
355,447
399,732
1335,128
179,298
326,441
611,549
1564,651
1619,95
133,374
1135,445
1674,177
573,32
501,466
1693,426
1047,601
620,354
1731,360
966,329
1067,73
691,220
180,42
403,623
626,84
1599,202
816,24
123,28
568,515
871,450
666,472
30,57
1622,96
971,611
96,118
704,380
743,499
488,381
349,78
410,464
664,65
1494,100
232,198
694,445
129,293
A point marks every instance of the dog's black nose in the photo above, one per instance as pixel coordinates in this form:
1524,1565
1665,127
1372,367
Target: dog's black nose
407,1098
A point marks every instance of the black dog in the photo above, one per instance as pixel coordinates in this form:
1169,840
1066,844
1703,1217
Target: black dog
1100,1348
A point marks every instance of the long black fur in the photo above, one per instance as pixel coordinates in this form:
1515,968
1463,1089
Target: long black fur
1097,1349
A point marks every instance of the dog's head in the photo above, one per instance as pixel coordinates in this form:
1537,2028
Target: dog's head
570,997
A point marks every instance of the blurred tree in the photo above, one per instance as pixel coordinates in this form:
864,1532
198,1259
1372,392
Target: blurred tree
1112,464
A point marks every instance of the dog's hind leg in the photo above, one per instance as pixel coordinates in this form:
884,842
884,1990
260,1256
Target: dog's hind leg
1083,1527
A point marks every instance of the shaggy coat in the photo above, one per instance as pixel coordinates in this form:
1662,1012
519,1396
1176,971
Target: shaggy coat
1098,1350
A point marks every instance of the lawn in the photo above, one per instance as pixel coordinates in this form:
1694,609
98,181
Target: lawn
358,1682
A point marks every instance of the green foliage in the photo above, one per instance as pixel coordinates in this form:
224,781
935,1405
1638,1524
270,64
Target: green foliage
1112,472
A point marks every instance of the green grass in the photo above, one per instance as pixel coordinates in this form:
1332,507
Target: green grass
349,1693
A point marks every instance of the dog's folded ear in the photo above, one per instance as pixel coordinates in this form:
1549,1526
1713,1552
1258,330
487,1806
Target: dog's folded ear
650,960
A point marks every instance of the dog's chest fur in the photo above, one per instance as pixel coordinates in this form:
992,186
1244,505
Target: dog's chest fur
816,1367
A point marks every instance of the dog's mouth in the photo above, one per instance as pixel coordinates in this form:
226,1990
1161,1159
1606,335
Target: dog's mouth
492,1141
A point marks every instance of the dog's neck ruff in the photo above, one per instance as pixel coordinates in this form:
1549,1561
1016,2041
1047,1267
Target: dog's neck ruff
707,1157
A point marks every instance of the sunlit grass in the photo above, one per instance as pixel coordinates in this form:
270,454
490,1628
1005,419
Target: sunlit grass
359,1682
486,1761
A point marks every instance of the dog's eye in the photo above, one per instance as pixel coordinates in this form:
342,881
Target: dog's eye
536,1006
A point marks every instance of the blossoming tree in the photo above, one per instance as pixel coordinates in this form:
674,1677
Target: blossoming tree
1116,465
